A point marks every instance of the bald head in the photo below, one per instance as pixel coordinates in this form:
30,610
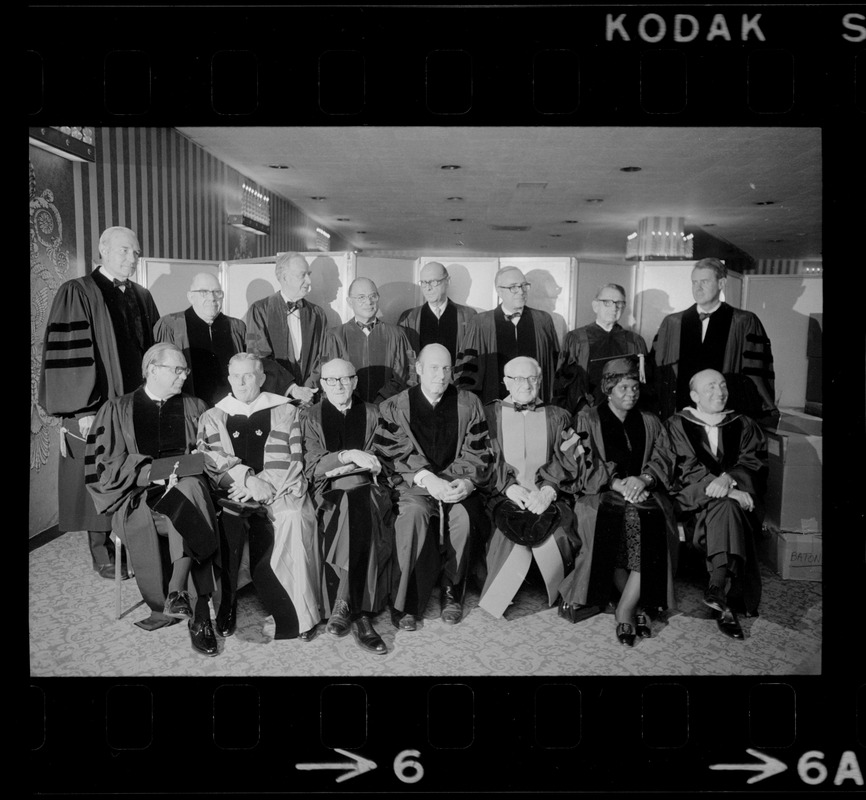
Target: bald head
708,391
205,295
363,298
434,370
337,368
434,282
522,378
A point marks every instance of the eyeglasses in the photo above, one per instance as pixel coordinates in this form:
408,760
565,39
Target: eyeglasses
620,304
346,381
371,297
532,380
432,283
516,288
177,370
217,293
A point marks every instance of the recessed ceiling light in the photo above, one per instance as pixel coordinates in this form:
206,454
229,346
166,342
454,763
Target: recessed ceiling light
630,169
360,232
343,219
594,200
455,199
775,241
571,221
709,225
317,197
554,235
280,166
765,203
450,166
456,219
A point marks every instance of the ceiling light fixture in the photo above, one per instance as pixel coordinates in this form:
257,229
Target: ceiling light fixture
456,219
361,232
343,219
765,203
554,235
571,221
630,169
450,166
594,200
316,197
280,166
455,199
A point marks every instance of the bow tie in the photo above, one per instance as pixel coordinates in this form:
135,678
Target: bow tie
122,285
524,406
366,326
293,305
159,403
515,315
702,315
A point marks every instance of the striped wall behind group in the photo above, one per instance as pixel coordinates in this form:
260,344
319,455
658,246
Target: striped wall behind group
788,266
176,197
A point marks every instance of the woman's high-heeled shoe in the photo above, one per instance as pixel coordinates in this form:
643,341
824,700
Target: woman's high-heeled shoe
642,624
625,633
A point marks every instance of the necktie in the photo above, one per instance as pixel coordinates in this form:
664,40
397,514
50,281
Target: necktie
516,315
437,311
293,305
159,404
524,406
122,285
367,326
702,315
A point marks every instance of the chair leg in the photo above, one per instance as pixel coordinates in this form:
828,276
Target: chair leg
118,580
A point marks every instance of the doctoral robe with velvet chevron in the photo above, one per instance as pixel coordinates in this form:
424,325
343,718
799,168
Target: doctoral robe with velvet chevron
264,437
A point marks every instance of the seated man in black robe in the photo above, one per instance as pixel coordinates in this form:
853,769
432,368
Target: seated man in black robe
130,435
720,474
436,438
354,503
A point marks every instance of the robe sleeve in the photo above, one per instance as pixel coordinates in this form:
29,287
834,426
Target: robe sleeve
220,461
475,457
163,331
317,458
750,470
393,442
284,456
661,460
570,382
70,381
562,470
468,367
595,474
757,362
112,473
399,377
258,343
691,477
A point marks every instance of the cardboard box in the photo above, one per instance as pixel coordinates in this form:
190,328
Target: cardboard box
794,556
796,420
793,500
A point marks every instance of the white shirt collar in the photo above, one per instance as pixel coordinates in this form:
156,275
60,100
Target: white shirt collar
430,399
710,311
710,420
153,397
232,406
440,308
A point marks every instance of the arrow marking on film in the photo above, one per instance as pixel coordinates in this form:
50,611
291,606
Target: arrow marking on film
770,766
358,766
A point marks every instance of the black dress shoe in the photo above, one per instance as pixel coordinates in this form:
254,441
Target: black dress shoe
203,638
308,636
452,609
227,619
368,638
714,597
340,622
403,622
730,625
642,626
177,605
625,634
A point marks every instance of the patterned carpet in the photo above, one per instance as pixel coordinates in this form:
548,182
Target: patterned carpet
73,633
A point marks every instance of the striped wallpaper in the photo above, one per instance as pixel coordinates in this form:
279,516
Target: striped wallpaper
788,266
176,197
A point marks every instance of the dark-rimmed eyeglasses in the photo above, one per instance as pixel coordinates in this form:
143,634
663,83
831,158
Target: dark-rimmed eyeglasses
346,381
177,370
532,380
217,293
620,304
371,297
516,288
432,283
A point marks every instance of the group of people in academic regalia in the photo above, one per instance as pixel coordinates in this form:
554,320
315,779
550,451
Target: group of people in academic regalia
375,466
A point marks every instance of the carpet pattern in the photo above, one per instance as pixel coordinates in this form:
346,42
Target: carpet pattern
73,633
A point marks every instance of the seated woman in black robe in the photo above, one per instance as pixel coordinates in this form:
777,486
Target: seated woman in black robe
627,527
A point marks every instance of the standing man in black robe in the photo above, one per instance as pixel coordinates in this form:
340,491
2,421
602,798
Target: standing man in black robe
586,350
98,330
207,337
285,331
512,329
714,335
440,320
